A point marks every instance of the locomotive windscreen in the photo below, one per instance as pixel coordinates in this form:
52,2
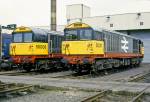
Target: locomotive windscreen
78,34
22,37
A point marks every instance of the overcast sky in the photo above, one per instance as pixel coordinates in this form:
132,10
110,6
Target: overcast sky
36,12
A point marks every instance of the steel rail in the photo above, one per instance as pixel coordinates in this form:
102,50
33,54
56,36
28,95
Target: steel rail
15,89
72,76
135,99
95,97
11,73
138,77
17,73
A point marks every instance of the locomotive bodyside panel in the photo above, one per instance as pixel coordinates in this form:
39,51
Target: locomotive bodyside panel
118,43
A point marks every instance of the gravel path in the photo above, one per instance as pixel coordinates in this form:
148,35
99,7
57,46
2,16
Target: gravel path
114,82
85,84
109,83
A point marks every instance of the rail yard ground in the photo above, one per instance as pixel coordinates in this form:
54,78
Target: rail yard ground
118,85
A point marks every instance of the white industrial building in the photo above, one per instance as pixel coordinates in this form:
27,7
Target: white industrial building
135,24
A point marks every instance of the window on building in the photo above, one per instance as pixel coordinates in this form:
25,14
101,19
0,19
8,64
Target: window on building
141,23
111,25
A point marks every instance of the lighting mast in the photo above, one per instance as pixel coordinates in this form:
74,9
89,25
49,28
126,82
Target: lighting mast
53,24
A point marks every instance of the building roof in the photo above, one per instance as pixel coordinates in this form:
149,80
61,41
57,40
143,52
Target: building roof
126,21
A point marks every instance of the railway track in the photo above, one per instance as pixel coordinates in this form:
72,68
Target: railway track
104,96
73,76
136,98
95,97
15,90
19,73
88,75
138,77
133,78
13,73
70,75
6,89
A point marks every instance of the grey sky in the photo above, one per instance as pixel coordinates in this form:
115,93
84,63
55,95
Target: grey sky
36,12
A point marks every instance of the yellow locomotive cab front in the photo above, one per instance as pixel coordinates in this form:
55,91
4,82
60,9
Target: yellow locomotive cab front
29,49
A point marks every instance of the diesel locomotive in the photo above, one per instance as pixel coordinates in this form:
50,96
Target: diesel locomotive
93,49
34,48
5,62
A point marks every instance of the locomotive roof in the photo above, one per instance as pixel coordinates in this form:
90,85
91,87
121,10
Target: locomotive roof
46,31
36,30
112,31
29,29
